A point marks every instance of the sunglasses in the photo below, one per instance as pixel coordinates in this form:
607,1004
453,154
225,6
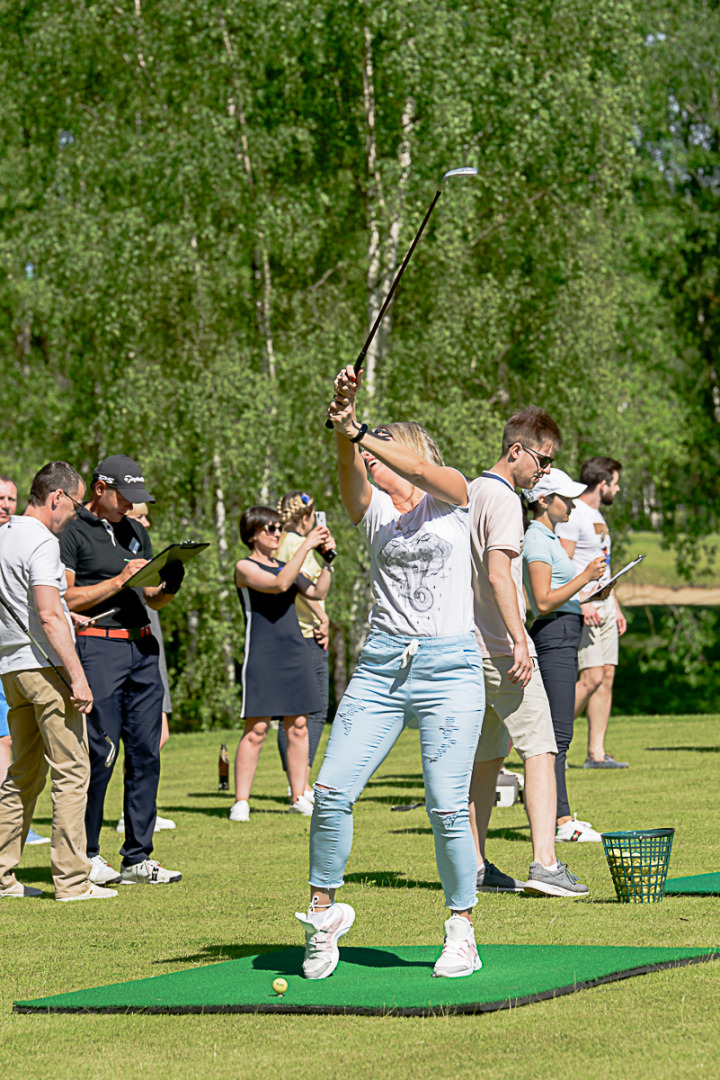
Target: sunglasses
543,460
276,528
76,504
382,433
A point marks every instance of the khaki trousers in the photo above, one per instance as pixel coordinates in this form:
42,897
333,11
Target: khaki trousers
47,732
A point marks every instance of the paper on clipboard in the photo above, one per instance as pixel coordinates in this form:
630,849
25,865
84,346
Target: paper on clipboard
149,575
613,579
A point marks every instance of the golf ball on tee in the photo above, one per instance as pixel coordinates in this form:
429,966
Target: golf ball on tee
279,986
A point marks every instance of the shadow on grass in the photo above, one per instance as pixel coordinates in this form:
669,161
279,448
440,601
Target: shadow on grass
223,811
389,879
395,783
687,749
217,953
290,960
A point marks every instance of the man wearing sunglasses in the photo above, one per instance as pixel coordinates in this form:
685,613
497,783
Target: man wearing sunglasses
516,703
102,549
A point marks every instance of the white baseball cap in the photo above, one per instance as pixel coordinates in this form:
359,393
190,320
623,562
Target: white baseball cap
556,482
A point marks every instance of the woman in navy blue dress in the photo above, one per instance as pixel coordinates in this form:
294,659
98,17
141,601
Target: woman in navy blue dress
276,677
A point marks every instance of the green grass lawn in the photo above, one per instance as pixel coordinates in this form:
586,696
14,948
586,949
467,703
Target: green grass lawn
659,566
242,884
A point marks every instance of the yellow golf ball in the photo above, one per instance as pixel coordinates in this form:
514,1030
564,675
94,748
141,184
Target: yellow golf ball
279,986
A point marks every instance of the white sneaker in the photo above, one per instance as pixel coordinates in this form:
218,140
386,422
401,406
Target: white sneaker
18,889
148,872
308,793
581,831
323,930
459,956
101,873
240,811
95,892
301,806
160,824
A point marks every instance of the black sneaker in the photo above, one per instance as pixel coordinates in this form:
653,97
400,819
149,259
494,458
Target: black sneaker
490,879
557,882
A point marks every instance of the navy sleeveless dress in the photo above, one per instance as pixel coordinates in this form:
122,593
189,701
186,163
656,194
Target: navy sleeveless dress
277,678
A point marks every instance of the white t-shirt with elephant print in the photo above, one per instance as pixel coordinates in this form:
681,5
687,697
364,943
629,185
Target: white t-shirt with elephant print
420,567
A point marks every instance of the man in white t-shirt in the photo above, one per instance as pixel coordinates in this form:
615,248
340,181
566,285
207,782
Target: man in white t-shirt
585,536
46,719
516,702
8,505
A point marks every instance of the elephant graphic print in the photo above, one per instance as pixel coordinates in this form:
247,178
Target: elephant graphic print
420,575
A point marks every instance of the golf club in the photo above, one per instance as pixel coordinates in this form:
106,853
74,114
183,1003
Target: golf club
112,751
407,806
465,171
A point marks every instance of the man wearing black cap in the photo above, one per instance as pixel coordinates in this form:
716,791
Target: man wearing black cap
101,550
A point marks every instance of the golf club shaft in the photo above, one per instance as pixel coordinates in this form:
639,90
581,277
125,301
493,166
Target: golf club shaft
363,352
11,612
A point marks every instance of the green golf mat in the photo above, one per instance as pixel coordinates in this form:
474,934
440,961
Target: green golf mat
697,885
373,981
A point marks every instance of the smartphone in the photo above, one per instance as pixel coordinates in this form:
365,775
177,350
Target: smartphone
321,520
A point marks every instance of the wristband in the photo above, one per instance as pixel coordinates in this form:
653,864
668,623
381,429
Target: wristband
362,430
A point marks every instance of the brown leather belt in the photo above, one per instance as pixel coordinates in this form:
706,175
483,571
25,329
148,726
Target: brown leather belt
122,635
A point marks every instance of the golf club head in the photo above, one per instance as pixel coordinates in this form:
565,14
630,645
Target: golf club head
112,752
467,170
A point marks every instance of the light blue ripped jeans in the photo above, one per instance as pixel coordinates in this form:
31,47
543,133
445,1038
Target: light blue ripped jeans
440,682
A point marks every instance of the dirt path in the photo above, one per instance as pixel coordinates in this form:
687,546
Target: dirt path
637,595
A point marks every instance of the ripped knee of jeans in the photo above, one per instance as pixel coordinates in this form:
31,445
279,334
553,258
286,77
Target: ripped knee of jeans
449,821
330,798
348,711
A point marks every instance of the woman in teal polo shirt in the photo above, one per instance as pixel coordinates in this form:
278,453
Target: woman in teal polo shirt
552,585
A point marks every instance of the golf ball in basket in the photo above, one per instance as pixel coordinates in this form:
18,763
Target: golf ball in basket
279,986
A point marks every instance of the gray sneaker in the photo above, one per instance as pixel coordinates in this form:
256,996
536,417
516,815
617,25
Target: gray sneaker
490,879
557,882
608,762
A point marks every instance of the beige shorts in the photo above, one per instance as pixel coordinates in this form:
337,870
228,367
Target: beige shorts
599,644
512,712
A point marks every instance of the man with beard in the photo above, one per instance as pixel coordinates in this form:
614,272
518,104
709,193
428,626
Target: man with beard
584,537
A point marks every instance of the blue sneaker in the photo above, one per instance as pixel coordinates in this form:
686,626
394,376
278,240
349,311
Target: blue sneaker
36,838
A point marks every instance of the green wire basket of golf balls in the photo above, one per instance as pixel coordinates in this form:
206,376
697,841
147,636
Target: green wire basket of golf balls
638,863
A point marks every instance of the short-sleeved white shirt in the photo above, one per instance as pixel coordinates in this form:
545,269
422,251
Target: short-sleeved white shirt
588,528
29,556
496,525
419,567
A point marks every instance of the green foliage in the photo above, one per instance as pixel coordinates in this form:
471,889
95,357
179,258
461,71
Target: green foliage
188,198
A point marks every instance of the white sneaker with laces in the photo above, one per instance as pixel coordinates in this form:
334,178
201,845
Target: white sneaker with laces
323,930
578,831
101,873
94,892
301,806
148,872
459,956
160,824
240,811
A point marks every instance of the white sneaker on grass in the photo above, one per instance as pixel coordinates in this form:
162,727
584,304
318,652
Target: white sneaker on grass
308,793
35,838
578,831
240,811
160,824
459,956
18,890
94,892
101,873
148,872
323,930
301,806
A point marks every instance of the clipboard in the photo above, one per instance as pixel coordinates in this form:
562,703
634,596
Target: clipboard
149,575
613,579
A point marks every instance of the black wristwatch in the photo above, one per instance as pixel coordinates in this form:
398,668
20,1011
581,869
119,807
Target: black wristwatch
361,431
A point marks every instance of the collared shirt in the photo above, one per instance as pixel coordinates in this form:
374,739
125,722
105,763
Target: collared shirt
29,556
543,545
96,550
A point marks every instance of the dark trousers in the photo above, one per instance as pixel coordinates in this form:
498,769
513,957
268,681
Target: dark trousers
557,642
318,657
128,692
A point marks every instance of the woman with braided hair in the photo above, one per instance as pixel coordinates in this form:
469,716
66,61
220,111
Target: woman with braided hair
296,510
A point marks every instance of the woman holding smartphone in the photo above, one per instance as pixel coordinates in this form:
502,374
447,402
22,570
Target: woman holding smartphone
551,586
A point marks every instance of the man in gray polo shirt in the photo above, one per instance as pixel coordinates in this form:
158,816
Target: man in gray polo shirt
46,719
516,702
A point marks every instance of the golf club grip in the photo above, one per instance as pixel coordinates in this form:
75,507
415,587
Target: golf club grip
386,303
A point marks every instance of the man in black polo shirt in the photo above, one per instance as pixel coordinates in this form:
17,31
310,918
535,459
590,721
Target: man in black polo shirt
101,550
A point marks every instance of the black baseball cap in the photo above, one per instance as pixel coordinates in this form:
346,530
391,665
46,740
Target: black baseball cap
123,474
